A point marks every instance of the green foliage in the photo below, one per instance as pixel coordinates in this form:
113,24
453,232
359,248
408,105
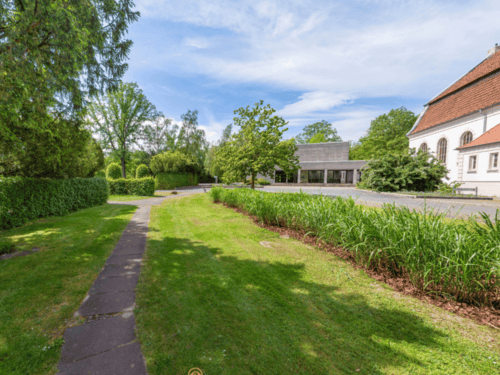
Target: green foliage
459,259
173,162
213,166
409,171
54,55
113,171
262,181
142,186
386,135
158,136
101,174
118,118
62,150
169,181
447,189
24,199
257,147
312,132
192,141
142,171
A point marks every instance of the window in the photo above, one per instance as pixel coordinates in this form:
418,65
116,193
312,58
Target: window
465,138
280,176
303,177
472,163
316,177
424,147
441,150
494,161
333,177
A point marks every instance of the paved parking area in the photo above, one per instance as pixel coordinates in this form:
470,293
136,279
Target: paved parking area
454,208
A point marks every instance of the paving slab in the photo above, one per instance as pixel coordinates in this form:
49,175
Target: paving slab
107,303
116,270
125,360
114,284
96,337
130,245
124,259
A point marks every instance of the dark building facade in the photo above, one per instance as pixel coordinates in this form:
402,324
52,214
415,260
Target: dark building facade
322,163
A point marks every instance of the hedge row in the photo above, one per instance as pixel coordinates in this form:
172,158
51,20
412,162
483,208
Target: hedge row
25,199
141,186
168,181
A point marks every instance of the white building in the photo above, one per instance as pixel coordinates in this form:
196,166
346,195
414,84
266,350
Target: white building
461,127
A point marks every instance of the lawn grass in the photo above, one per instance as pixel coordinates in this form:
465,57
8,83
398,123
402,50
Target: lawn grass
220,293
128,198
40,292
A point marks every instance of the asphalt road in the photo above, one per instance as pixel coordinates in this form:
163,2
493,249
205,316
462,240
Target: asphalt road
453,208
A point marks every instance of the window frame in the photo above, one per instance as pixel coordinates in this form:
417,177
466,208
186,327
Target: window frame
491,167
422,147
439,153
474,168
462,138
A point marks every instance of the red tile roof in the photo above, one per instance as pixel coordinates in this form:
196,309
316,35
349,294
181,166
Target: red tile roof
491,136
478,89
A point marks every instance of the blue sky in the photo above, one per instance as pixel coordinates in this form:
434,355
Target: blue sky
342,61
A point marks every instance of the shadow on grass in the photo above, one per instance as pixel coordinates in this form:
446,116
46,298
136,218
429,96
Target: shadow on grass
199,307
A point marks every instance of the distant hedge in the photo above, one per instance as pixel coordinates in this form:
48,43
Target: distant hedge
114,171
168,181
25,199
142,171
140,186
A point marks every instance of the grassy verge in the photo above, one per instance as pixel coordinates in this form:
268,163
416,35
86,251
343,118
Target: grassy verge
128,198
220,293
40,292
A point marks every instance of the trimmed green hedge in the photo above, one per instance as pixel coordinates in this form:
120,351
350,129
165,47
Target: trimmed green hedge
25,199
142,171
114,171
168,181
140,186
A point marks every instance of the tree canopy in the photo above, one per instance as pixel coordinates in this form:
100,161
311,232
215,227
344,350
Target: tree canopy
54,54
158,135
213,166
118,119
386,135
258,146
173,162
192,140
313,130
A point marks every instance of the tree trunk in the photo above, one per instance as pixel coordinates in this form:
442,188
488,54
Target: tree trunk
124,171
253,181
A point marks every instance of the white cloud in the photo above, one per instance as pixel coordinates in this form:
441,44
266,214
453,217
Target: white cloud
313,102
200,43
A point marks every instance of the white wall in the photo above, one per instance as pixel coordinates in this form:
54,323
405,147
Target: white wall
487,181
453,131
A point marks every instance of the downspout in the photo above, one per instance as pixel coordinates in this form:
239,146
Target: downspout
484,120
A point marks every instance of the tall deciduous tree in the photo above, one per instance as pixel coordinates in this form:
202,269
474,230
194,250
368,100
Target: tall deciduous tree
212,164
386,135
118,118
192,140
53,55
159,135
321,127
258,146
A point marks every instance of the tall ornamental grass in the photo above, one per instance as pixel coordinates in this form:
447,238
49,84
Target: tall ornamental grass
459,258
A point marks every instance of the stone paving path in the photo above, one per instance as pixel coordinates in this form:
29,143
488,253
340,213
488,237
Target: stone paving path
106,344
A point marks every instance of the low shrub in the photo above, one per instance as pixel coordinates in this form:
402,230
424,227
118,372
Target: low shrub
25,199
459,259
142,171
262,181
101,174
169,181
113,172
141,186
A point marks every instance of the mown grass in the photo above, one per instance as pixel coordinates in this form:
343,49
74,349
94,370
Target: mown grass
129,198
459,259
220,293
40,292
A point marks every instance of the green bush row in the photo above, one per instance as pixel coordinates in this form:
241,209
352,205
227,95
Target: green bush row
25,199
141,186
460,259
168,181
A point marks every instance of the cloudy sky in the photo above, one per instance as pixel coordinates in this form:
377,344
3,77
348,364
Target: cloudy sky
342,61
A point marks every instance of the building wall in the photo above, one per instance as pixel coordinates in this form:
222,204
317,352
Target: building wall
487,181
331,151
453,131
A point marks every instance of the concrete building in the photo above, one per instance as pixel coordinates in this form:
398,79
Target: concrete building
461,127
320,164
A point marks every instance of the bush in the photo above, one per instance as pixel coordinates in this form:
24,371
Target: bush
114,171
447,189
101,174
142,171
141,186
457,258
168,181
262,181
24,199
411,171
173,162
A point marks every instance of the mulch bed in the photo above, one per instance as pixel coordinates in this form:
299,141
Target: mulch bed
484,315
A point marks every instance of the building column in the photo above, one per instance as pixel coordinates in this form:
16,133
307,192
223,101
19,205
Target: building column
326,176
355,177
342,176
298,178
